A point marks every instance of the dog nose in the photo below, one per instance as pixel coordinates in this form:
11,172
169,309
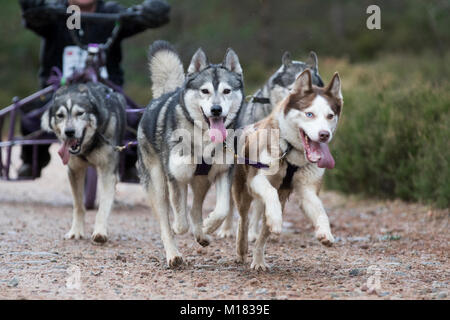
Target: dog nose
216,110
324,136
70,133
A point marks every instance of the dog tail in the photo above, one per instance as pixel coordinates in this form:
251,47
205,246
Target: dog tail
166,68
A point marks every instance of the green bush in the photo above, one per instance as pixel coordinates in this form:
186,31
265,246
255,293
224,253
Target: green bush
393,140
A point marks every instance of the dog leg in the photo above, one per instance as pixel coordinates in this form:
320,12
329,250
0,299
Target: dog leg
314,210
243,200
269,195
157,193
258,262
223,201
107,185
76,178
178,198
200,186
226,229
257,213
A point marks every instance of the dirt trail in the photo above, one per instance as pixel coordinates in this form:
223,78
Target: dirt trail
402,249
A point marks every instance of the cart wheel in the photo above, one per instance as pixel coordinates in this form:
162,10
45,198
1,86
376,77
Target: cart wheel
90,188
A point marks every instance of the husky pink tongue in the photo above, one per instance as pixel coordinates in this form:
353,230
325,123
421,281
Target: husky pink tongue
217,131
326,159
64,150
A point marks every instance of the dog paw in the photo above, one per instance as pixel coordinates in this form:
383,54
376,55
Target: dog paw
208,226
259,265
252,236
99,237
325,237
174,261
74,233
241,259
225,232
212,222
180,228
203,240
274,224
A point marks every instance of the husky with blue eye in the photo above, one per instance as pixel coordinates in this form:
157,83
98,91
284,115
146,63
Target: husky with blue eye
306,121
205,100
261,105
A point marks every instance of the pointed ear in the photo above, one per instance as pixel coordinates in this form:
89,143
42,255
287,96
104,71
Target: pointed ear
334,87
198,62
313,62
286,59
45,121
303,83
231,61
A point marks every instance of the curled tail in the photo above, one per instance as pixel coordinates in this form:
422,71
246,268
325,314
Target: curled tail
166,68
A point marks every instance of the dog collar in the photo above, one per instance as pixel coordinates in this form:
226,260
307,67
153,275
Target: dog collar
261,100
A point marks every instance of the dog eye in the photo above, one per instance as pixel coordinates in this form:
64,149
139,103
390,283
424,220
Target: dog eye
330,116
60,115
309,114
79,114
205,91
226,91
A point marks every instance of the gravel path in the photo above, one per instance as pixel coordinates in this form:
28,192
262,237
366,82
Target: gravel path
384,250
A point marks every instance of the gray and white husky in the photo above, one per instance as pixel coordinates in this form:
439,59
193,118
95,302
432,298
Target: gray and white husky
89,120
261,105
277,88
206,101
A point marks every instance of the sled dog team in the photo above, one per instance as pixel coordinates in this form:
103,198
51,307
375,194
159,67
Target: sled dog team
277,143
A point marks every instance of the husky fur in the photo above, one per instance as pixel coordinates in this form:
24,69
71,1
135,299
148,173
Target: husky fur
206,99
274,90
89,120
306,120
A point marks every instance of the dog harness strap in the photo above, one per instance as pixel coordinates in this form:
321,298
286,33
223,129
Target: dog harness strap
247,161
261,100
287,180
290,171
202,169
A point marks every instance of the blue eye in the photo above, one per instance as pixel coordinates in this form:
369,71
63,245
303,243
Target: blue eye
309,114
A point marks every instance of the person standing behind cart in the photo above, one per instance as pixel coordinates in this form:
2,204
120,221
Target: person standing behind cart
58,49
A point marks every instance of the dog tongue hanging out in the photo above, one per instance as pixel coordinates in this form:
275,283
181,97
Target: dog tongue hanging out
312,113
216,89
64,150
306,120
217,131
317,152
67,147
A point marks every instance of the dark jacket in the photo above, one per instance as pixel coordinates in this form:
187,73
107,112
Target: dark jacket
56,36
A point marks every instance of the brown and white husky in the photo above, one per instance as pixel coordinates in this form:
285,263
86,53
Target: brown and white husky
305,122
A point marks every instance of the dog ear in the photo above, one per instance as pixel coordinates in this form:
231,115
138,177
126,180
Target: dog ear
313,62
45,120
199,62
303,83
231,61
334,87
286,59
96,96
